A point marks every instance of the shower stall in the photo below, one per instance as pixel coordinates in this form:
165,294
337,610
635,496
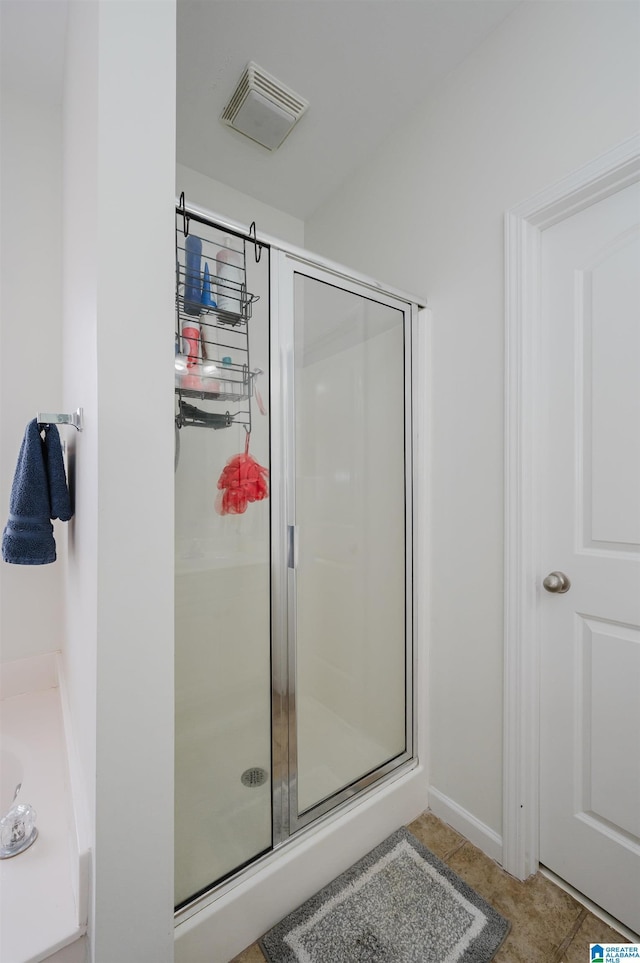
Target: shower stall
295,613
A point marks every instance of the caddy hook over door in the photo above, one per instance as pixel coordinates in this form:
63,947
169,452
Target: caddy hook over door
557,583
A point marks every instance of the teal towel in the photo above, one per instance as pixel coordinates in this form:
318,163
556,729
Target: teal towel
38,494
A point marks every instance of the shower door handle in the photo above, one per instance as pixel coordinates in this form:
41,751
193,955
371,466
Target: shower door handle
292,546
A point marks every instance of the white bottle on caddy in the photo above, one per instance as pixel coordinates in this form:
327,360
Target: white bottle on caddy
230,274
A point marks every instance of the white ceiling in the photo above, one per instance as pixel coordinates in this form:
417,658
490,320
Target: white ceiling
364,65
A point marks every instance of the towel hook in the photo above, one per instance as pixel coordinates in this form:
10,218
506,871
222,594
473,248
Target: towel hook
75,419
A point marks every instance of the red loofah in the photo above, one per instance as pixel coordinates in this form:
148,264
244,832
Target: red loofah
242,481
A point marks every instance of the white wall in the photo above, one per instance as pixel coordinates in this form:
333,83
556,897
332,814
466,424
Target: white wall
203,191
31,597
554,86
118,364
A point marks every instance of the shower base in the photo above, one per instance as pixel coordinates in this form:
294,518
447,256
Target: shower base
221,924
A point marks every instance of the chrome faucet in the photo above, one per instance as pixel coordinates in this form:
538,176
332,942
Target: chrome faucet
17,828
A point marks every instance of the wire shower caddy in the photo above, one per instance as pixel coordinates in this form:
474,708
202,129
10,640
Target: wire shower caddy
212,342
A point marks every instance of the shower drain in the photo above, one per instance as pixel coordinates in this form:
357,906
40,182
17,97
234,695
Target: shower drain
254,777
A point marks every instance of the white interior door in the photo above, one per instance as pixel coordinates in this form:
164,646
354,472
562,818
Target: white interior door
590,510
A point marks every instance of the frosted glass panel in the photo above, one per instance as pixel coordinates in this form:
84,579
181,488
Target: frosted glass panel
350,513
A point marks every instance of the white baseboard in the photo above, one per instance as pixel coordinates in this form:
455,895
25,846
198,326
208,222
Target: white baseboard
466,824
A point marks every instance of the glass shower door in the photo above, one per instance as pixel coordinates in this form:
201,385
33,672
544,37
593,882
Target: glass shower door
222,590
349,538
294,653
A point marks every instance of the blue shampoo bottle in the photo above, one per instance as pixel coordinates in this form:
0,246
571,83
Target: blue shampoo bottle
193,275
207,298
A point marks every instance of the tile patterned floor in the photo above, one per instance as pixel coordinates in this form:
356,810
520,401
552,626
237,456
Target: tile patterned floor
547,924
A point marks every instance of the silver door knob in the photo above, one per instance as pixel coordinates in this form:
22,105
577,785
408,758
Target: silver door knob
557,582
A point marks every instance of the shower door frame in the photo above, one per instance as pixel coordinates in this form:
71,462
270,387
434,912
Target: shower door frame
406,772
285,263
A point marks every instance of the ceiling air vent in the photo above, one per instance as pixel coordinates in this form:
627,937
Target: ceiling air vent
262,108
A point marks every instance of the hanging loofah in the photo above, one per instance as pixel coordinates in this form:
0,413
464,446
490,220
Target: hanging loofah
241,481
